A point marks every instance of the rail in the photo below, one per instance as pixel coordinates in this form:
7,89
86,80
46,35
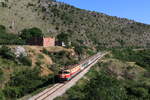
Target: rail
50,91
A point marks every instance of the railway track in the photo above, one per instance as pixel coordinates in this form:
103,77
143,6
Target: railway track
50,92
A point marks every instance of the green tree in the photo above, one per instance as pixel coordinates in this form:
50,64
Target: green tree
32,32
63,37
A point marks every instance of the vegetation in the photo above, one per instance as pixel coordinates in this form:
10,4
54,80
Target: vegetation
27,34
61,58
25,60
93,28
23,82
6,52
2,97
101,84
8,38
63,37
142,57
84,30
1,75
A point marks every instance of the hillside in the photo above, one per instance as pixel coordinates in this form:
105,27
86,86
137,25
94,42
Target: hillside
25,69
124,74
83,27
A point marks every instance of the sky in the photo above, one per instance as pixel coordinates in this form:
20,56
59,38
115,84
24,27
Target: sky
138,10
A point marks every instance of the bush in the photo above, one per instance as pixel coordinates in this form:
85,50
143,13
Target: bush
45,51
79,49
12,92
138,92
23,82
6,52
2,97
40,56
2,29
25,60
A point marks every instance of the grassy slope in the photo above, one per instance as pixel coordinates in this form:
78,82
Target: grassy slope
84,27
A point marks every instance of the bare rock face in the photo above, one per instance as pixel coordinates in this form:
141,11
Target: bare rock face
20,51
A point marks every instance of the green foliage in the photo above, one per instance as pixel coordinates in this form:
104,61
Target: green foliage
139,92
12,92
79,49
100,87
92,27
1,75
32,32
23,82
97,28
25,60
2,29
63,37
141,58
46,51
7,38
61,59
6,52
104,87
40,56
2,97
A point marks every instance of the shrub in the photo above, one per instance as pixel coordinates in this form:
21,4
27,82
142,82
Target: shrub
104,87
25,60
138,91
40,56
38,63
2,97
12,92
46,51
79,49
2,29
6,52
23,82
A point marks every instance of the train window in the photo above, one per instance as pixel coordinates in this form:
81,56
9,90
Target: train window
65,72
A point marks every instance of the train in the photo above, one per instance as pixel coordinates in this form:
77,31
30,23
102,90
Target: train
68,72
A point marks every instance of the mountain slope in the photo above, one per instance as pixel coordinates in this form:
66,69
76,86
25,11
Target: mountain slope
84,27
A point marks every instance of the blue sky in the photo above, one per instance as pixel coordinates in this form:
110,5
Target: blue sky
138,10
